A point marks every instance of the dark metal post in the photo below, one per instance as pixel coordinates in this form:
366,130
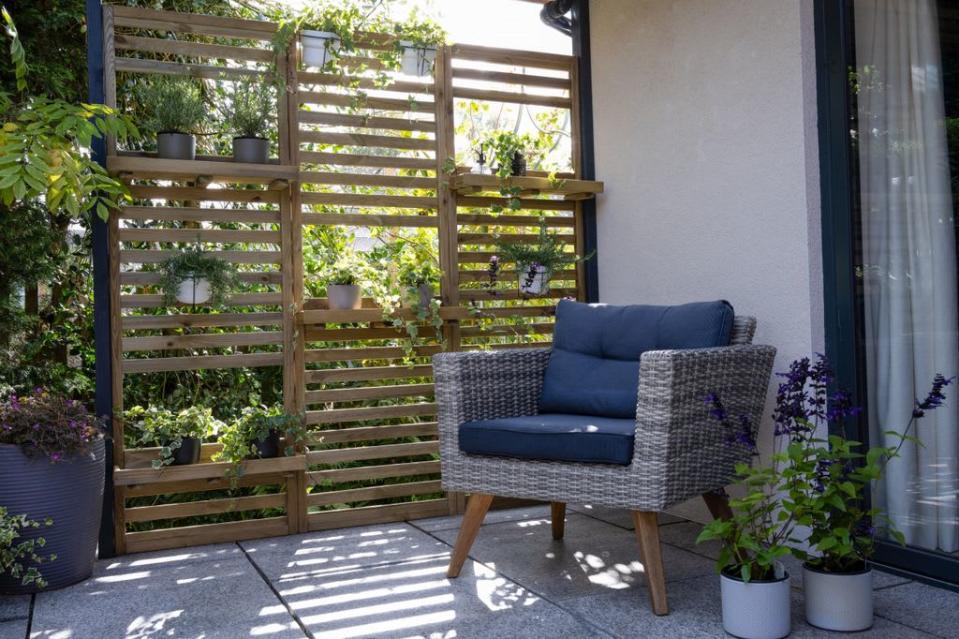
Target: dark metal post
581,51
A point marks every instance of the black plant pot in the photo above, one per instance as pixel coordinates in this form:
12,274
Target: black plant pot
188,452
176,146
251,150
68,492
269,446
518,166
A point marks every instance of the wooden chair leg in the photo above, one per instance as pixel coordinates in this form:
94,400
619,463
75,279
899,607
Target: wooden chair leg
718,504
476,508
647,532
558,518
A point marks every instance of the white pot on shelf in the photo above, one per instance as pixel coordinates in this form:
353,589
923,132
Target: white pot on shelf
838,601
533,280
193,291
417,61
317,46
344,297
758,609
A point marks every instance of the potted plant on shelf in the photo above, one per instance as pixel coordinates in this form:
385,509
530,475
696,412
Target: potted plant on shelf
537,262
827,479
342,276
250,113
257,434
49,443
177,111
19,555
179,435
193,276
417,42
419,275
507,152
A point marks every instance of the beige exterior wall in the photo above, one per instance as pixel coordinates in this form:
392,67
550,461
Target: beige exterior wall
705,134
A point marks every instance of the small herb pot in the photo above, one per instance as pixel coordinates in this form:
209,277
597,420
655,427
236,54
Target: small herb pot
518,166
269,446
756,610
344,297
838,601
533,280
417,60
251,150
173,145
425,291
188,452
193,291
317,46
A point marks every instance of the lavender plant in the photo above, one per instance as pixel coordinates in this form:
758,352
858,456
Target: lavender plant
49,425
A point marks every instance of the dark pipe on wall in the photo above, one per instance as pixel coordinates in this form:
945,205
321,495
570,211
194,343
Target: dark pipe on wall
554,14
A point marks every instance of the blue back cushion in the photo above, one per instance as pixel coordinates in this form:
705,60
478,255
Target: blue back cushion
594,365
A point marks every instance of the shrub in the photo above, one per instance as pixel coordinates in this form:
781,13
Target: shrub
250,112
48,425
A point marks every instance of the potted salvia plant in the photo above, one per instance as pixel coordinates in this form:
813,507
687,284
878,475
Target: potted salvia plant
51,470
179,435
250,114
536,263
194,276
342,276
827,479
177,111
257,435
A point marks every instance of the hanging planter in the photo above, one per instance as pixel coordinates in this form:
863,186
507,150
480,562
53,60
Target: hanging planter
417,60
533,279
756,609
195,277
838,601
318,47
193,290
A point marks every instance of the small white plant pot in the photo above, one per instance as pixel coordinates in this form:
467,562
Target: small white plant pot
193,291
417,61
536,283
838,601
317,47
344,297
756,610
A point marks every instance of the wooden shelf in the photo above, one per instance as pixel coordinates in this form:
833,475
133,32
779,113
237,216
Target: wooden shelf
277,176
449,313
472,183
211,470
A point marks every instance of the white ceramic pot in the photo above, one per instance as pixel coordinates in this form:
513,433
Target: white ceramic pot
193,291
317,46
756,610
537,284
417,61
838,601
344,297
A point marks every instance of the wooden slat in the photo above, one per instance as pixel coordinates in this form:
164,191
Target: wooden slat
380,161
361,82
185,193
169,364
479,294
218,170
377,514
149,19
510,97
341,415
365,122
367,373
367,140
502,77
205,507
494,331
375,433
200,320
221,340
511,57
154,278
200,485
187,48
355,199
238,299
369,219
143,256
384,471
367,179
205,71
313,334
417,105
219,236
132,476
196,214
373,493
478,219
366,453
504,275
370,392
205,534
508,238
484,202
356,354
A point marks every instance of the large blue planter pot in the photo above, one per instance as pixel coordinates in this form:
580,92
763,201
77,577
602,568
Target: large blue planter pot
71,494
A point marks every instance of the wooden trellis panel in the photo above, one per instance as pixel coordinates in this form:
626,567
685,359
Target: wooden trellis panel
351,153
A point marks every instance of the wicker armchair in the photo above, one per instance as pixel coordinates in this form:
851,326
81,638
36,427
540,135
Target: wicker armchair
679,452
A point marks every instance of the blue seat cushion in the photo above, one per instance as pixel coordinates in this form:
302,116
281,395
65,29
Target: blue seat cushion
553,437
594,365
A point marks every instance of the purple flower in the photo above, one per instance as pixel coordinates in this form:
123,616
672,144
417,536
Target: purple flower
935,398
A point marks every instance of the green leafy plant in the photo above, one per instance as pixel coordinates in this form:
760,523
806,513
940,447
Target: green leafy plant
346,268
19,559
420,31
250,109
502,147
167,429
238,438
548,252
175,105
194,263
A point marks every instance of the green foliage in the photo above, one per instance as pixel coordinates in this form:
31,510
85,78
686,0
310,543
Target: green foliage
346,268
175,105
239,437
195,263
164,428
420,31
16,557
549,251
502,146
250,111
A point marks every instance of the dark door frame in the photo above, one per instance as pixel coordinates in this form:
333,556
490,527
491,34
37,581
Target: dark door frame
834,55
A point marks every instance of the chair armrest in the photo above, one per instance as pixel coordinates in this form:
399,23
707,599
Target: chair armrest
674,431
485,385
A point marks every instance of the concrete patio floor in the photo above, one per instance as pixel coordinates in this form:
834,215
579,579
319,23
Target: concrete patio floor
389,581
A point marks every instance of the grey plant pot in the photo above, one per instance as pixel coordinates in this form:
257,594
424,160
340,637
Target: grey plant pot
756,610
426,294
251,150
71,494
268,447
344,296
176,146
838,601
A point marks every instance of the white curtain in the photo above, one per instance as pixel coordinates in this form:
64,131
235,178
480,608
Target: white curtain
909,260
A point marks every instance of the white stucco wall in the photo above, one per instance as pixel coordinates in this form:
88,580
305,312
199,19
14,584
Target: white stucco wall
705,135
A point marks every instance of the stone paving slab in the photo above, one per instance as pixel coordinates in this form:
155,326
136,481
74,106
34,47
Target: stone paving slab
13,629
14,607
927,608
618,516
211,599
434,524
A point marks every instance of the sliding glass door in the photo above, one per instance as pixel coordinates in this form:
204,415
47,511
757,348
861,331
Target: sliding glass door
902,174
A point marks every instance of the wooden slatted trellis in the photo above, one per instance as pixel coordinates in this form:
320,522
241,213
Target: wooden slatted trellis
352,152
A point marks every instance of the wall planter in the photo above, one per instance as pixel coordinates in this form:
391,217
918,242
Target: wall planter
533,280
253,150
417,60
188,452
176,146
317,47
756,610
344,297
194,290
70,493
838,601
